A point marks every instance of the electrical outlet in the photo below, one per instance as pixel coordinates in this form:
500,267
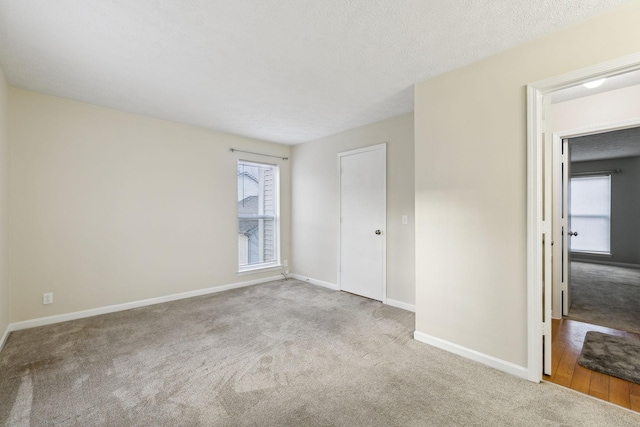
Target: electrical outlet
286,271
285,263
47,298
405,219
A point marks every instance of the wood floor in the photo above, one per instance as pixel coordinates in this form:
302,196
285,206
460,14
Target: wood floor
568,337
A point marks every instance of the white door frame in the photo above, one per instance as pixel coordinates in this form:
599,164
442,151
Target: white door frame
560,173
584,131
383,147
536,227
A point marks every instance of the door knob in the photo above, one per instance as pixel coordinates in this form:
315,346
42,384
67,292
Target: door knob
572,233
378,232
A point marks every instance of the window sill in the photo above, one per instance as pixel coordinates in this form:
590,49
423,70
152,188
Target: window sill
273,266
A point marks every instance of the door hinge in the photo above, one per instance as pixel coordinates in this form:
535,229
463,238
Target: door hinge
546,227
565,288
546,328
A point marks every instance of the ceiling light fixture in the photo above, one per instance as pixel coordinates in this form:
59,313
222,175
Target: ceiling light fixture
594,84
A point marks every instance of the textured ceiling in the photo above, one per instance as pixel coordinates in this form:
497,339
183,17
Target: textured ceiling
281,70
609,145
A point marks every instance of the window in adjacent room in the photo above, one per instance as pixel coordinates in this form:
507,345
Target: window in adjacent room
590,206
258,216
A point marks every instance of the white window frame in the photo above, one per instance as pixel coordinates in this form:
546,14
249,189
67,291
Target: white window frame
583,175
275,264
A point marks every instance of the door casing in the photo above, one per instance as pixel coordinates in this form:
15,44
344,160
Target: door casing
537,227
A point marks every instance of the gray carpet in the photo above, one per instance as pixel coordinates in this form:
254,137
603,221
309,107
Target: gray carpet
279,354
605,295
612,355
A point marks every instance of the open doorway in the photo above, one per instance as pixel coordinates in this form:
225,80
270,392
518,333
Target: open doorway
596,225
541,137
604,249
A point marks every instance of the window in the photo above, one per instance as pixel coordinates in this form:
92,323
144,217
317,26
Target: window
590,206
258,220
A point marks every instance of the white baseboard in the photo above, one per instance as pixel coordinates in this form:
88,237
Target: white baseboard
391,302
402,305
3,340
605,262
315,281
42,321
494,362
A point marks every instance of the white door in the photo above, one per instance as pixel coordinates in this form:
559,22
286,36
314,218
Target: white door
547,238
362,241
561,221
566,226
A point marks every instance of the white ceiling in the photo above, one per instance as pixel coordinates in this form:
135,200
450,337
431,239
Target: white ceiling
288,71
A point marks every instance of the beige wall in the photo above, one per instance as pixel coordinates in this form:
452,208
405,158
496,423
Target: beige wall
4,175
109,207
597,110
471,184
315,203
